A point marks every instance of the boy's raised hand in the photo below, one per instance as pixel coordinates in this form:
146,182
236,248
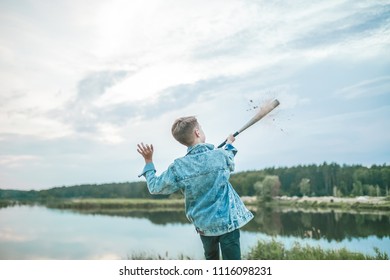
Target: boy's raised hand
146,151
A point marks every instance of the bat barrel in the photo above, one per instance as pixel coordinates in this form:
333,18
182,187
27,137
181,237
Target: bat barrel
263,112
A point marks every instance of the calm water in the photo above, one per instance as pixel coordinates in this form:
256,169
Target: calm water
36,232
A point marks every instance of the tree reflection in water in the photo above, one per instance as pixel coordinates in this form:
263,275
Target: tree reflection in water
329,225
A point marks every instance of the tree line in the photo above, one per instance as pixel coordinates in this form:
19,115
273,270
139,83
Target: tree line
108,190
310,180
318,180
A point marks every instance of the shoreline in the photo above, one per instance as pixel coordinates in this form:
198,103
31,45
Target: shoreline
350,204
283,203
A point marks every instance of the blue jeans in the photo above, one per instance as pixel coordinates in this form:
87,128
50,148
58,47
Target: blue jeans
229,243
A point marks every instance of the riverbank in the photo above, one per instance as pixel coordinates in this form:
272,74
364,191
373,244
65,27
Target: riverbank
282,203
361,203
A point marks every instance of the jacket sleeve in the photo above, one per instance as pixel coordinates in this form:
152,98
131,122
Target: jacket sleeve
231,151
163,184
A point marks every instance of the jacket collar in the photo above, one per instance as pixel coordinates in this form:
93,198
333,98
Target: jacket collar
199,148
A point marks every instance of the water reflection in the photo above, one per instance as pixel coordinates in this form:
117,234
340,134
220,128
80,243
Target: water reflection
160,217
330,225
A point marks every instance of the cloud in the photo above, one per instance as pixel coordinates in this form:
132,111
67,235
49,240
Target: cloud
345,24
109,133
95,84
16,147
18,160
368,88
79,113
85,117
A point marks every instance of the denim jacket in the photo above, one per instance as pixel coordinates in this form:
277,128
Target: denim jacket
211,203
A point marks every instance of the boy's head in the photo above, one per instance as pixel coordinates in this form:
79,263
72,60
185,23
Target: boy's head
187,131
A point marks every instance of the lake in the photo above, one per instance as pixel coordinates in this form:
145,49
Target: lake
37,232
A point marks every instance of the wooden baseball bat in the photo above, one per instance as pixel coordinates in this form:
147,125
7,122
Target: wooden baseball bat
260,114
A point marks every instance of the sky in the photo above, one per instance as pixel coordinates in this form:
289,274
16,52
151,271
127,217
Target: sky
82,82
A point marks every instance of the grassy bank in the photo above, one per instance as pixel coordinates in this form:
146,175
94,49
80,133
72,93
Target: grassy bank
283,203
347,204
274,250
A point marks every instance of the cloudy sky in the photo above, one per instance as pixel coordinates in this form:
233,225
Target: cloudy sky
82,82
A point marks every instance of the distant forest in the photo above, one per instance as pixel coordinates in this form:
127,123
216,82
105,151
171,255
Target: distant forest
310,180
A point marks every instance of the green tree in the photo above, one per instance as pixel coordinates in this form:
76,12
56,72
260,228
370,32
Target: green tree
268,188
371,190
337,192
304,186
357,188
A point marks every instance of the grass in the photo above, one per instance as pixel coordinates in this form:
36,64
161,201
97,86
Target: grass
149,256
384,205
274,250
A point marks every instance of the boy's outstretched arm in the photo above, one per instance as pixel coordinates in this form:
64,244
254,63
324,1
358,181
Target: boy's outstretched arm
146,151
163,184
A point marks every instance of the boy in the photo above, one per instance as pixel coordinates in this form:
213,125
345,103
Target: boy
211,203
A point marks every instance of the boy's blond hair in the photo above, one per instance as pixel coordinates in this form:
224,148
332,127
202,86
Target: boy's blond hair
183,128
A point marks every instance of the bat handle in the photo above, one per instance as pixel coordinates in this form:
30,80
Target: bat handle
224,142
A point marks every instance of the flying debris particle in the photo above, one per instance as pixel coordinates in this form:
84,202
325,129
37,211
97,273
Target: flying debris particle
252,105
